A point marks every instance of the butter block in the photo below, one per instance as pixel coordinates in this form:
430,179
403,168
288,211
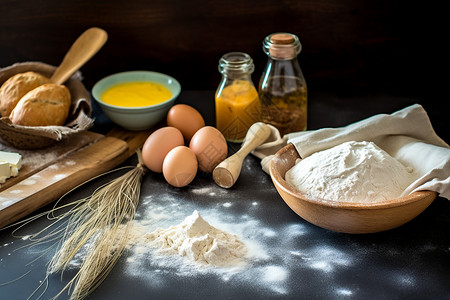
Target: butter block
10,164
14,159
5,171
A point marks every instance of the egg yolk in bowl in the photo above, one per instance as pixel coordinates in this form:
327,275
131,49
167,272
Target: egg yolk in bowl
136,94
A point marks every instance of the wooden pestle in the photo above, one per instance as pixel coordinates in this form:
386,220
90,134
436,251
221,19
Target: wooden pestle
227,172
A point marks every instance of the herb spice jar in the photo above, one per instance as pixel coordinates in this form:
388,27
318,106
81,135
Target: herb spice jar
237,104
282,87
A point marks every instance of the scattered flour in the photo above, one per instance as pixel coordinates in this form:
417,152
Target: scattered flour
351,172
268,257
15,191
198,241
260,257
275,274
58,177
28,181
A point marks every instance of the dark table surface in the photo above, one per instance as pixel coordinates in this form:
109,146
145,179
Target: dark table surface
295,258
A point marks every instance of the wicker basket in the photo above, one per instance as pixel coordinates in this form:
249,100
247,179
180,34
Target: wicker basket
35,137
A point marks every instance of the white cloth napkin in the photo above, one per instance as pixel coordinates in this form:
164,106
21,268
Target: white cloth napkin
406,135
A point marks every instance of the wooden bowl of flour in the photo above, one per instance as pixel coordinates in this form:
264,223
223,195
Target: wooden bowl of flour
345,217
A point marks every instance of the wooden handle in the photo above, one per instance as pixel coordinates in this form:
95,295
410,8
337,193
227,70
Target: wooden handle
227,172
81,51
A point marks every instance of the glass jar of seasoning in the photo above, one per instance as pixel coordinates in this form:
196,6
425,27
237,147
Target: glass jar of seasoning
282,87
237,104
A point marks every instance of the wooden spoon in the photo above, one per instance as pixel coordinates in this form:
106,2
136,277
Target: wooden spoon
227,172
81,51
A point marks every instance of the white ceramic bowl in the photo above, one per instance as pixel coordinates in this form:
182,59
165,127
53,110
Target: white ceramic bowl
136,118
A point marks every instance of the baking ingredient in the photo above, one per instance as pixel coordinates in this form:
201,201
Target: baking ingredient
136,94
46,105
5,171
351,172
210,147
236,98
199,242
180,166
237,108
13,89
285,105
13,158
158,144
186,119
10,164
282,86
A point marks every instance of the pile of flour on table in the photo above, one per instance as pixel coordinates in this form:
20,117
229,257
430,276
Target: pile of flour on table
351,172
198,241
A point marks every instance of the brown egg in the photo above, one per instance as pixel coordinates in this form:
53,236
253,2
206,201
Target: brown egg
158,144
186,118
210,147
180,166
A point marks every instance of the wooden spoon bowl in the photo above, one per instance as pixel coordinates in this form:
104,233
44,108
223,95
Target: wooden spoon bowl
345,216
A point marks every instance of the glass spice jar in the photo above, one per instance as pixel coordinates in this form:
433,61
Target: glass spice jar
236,99
282,87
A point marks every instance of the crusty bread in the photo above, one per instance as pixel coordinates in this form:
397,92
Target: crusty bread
16,87
46,105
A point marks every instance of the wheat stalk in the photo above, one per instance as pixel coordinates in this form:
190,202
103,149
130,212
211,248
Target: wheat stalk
101,223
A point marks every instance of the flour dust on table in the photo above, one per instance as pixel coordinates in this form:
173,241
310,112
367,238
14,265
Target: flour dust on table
250,253
264,258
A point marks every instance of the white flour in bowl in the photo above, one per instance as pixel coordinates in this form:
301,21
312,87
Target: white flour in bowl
351,172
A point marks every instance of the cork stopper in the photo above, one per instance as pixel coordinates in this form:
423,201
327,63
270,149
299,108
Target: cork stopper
282,39
282,45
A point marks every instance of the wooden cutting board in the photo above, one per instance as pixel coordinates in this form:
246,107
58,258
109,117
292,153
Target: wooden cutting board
48,174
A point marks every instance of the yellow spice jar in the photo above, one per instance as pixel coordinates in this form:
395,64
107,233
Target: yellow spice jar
237,103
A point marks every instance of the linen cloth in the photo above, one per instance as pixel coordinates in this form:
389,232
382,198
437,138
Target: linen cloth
406,135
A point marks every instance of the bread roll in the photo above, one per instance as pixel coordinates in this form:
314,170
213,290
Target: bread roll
46,105
16,87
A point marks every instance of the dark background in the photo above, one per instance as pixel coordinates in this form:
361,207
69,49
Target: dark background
359,58
350,47
382,45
